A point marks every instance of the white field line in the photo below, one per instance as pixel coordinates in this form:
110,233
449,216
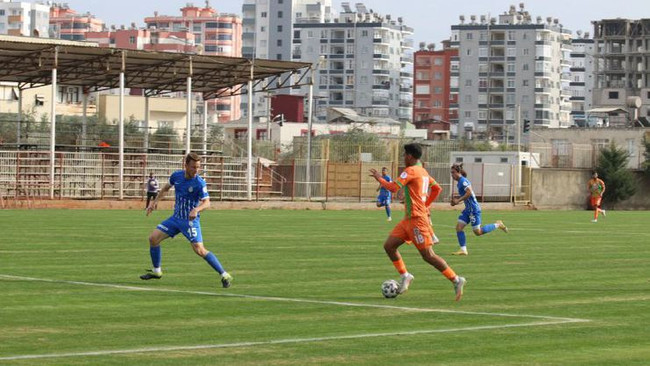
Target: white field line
278,341
545,320
289,299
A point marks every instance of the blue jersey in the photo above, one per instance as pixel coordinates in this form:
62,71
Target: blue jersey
471,204
383,192
189,193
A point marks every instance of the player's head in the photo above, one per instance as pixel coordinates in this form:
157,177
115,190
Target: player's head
192,164
594,174
150,174
457,170
412,153
384,170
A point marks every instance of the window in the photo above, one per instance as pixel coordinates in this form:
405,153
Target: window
512,52
478,160
468,114
2,12
132,40
240,133
280,14
469,36
468,82
263,15
459,159
439,60
613,95
169,124
504,160
525,82
279,43
437,75
279,28
525,67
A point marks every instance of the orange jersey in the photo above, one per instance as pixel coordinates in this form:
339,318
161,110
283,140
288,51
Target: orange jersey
416,182
596,187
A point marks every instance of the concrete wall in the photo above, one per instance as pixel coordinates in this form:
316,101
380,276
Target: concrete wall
567,189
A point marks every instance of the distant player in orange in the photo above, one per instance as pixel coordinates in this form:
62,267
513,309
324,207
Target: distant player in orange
420,190
596,189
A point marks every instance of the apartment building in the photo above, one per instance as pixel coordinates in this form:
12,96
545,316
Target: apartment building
622,67
509,64
268,33
22,18
216,34
432,96
66,23
582,78
365,63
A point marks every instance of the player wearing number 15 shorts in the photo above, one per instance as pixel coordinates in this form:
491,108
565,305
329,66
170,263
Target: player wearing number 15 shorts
191,198
420,190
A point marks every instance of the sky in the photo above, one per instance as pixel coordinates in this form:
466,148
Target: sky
430,19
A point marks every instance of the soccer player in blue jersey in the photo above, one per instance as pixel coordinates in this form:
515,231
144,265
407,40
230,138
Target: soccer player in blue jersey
472,212
383,200
191,198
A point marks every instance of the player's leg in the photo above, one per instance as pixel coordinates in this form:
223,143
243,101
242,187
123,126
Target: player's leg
594,203
155,251
463,220
194,235
396,238
441,265
148,200
387,207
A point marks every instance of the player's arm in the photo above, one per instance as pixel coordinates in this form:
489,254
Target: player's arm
205,203
434,191
602,183
391,186
153,204
468,193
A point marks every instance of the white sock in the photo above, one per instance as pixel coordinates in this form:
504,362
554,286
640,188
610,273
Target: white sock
157,270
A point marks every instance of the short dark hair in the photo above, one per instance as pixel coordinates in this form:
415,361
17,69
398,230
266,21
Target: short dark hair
413,149
192,157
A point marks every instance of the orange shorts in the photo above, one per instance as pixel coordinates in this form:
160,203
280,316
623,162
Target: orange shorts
416,230
595,201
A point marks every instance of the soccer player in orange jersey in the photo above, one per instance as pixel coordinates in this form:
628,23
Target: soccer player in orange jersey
596,188
420,190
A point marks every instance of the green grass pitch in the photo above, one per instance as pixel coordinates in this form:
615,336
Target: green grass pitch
556,290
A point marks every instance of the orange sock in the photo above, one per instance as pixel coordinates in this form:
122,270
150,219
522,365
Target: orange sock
400,266
596,213
449,273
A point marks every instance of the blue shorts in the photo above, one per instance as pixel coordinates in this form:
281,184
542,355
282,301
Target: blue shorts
190,229
472,218
383,200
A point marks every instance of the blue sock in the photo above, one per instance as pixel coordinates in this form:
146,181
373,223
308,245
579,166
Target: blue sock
156,256
214,262
388,210
488,228
461,238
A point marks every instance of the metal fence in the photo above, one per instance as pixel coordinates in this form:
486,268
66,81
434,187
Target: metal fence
25,175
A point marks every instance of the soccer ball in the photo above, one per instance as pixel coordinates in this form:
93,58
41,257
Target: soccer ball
390,289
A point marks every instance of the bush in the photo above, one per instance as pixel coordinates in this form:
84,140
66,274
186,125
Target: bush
620,182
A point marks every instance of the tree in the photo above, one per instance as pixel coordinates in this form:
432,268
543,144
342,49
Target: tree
612,169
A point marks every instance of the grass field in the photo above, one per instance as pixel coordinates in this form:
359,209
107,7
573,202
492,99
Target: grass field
557,290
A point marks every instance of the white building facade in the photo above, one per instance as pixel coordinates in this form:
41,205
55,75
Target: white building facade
365,63
508,64
22,18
